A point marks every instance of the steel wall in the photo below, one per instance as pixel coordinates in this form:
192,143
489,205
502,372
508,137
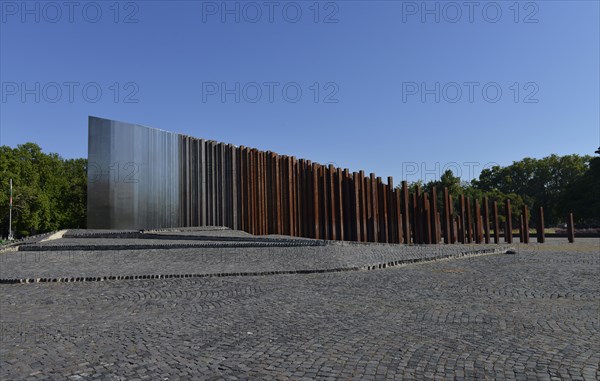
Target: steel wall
133,176
143,178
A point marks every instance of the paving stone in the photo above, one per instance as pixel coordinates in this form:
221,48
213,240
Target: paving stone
532,315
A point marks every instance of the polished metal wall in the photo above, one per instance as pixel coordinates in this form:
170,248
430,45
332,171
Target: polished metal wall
133,176
143,178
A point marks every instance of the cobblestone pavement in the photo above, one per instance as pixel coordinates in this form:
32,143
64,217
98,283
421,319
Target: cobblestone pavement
533,315
82,255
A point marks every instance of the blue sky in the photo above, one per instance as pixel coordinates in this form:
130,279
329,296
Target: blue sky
369,73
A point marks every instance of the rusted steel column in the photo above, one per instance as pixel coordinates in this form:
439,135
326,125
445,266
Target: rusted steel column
293,196
496,222
421,214
438,218
235,173
310,201
316,201
278,185
325,202
283,207
206,177
478,229
242,189
257,209
299,196
383,212
462,235
202,155
332,200
541,234
356,207
570,228
310,187
248,190
387,216
399,216
348,198
220,185
294,166
391,209
414,208
469,222
369,204
214,185
269,191
283,210
232,208
447,216
352,216
252,210
265,195
418,216
525,214
289,196
375,207
307,200
249,177
253,198
292,215
217,183
434,219
405,213
273,191
363,219
259,193
240,192
339,188
285,195
426,218
293,206
508,231
486,219
369,208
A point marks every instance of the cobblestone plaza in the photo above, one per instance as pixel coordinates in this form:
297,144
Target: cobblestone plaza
379,312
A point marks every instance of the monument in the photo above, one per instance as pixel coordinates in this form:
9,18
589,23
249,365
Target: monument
145,178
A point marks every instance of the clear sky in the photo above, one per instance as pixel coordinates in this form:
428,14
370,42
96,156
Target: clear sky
386,86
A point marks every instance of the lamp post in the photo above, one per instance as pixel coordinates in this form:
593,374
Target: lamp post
10,202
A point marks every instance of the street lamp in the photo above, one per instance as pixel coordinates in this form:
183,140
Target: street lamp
10,233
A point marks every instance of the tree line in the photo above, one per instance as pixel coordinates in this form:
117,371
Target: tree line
50,193
559,184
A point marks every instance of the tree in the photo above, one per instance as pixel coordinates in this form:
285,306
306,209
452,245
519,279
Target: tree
49,193
540,182
582,197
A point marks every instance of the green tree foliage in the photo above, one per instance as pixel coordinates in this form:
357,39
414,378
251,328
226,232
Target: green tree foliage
560,184
49,192
456,187
540,182
582,196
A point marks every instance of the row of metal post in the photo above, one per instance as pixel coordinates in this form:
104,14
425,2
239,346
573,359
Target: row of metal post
266,193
